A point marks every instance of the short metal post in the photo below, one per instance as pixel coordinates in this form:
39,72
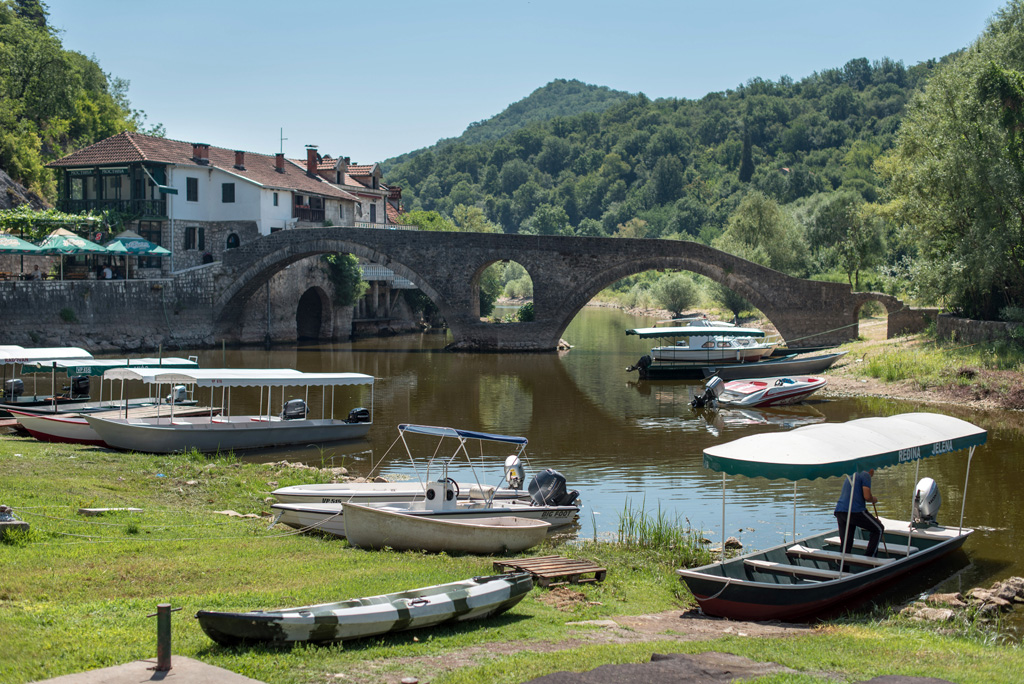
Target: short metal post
163,636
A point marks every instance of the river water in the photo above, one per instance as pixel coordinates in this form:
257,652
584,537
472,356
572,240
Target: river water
626,443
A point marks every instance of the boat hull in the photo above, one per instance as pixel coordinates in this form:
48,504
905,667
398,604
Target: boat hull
380,492
164,436
775,367
330,518
378,528
472,599
59,429
739,597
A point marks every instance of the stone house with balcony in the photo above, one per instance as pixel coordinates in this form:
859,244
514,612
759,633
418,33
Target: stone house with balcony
198,200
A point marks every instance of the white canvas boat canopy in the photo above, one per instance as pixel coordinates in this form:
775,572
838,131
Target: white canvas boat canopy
100,366
833,449
238,377
696,331
14,354
464,434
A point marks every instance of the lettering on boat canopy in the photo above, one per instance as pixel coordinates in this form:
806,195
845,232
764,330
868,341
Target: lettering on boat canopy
915,453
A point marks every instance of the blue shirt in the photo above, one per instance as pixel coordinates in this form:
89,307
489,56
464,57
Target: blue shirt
860,481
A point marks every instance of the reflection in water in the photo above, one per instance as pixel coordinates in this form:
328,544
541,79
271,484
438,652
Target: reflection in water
622,442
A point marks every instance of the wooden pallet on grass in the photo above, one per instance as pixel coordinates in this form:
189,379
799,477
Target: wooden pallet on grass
547,569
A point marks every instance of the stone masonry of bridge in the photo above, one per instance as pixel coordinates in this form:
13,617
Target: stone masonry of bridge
567,272
223,301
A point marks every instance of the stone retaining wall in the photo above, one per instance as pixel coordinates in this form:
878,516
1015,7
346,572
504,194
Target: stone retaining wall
951,327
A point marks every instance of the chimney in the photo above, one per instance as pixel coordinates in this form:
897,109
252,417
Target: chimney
279,162
240,160
311,160
200,153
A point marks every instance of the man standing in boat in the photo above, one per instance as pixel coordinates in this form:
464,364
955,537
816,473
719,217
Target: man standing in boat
855,513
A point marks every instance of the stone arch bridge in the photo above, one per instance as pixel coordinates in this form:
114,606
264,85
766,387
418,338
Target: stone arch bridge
567,272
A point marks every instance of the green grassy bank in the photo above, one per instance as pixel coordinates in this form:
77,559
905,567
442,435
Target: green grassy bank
76,591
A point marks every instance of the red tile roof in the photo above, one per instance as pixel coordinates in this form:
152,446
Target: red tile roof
393,213
360,169
130,147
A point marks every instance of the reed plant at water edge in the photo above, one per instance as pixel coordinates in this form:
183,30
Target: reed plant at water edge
661,534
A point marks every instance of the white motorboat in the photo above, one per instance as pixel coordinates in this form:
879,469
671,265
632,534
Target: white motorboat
546,498
760,392
803,578
471,599
374,527
708,342
227,432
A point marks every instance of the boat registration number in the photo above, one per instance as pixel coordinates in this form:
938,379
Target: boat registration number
557,514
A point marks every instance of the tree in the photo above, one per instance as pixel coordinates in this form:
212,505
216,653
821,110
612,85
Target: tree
955,179
547,220
762,231
346,277
675,293
746,160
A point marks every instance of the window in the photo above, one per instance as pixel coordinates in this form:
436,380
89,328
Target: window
195,238
275,199
233,240
227,192
191,189
373,213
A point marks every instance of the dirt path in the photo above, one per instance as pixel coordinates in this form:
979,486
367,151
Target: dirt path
673,625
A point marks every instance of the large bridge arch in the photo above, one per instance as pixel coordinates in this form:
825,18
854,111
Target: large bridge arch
566,272
246,278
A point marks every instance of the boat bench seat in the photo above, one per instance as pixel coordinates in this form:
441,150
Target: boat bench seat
835,556
770,566
900,549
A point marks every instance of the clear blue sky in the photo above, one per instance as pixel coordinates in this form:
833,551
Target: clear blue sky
374,80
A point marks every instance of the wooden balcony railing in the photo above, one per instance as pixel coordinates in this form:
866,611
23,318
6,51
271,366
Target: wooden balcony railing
308,215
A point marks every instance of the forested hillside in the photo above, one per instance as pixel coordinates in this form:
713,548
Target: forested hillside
680,165
558,98
52,100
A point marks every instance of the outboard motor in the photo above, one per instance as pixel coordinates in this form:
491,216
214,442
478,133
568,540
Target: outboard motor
178,395
641,366
548,489
514,474
712,390
14,388
79,386
294,409
926,503
358,415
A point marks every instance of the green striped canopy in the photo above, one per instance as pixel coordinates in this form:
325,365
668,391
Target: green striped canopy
834,449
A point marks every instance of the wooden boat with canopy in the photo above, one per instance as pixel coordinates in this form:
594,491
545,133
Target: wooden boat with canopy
798,580
225,431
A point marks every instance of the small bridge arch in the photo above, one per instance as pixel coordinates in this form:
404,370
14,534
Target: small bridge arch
566,272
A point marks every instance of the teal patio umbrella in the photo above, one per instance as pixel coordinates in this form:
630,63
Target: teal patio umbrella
9,244
128,242
62,241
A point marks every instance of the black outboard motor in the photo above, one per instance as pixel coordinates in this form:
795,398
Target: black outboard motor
358,415
79,386
641,366
712,390
14,388
548,489
294,409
